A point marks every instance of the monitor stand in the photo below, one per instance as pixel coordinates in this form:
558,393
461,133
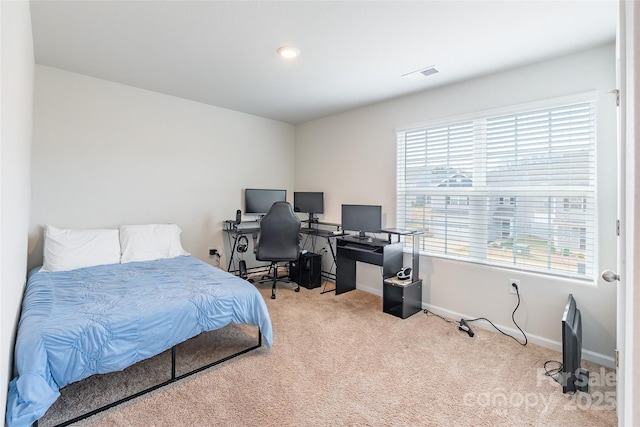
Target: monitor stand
361,236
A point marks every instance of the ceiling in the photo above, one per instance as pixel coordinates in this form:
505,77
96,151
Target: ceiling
353,53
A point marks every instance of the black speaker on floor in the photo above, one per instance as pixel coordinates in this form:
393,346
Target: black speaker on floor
306,271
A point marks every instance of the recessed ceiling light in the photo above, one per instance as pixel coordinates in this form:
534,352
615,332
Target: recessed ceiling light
288,52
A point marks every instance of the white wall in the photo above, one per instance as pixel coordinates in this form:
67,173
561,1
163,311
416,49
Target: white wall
106,154
16,105
354,160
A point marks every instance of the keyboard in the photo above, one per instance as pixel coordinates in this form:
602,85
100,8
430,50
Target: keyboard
360,247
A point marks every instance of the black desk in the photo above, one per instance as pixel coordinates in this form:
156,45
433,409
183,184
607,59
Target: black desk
381,252
326,234
320,233
233,233
252,228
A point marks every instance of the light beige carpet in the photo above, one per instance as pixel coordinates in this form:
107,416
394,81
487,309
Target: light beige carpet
339,360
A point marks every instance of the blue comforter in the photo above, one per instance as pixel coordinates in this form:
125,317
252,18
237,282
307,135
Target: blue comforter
102,319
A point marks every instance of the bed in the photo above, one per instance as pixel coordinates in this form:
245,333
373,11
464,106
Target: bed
104,318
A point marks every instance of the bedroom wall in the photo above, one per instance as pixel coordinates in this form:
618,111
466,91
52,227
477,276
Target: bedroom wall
16,107
360,147
106,154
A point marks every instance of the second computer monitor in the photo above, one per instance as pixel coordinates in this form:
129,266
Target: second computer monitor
362,218
259,201
309,202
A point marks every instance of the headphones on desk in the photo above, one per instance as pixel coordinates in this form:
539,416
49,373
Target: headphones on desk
405,273
243,244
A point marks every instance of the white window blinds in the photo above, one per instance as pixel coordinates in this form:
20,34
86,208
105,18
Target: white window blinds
514,190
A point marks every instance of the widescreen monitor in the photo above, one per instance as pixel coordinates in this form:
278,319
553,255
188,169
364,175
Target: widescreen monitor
309,202
572,376
362,218
259,201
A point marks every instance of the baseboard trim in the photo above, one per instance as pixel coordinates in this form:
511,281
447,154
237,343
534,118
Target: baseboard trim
370,290
589,355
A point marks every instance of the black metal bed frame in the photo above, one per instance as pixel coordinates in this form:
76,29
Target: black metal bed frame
173,379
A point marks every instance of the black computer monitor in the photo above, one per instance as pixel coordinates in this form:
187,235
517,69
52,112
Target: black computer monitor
259,201
309,202
362,218
572,376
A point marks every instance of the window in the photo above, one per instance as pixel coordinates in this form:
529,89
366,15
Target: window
575,203
513,189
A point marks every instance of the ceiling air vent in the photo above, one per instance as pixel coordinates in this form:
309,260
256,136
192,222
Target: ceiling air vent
428,71
424,72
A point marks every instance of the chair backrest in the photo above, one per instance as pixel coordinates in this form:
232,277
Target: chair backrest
279,234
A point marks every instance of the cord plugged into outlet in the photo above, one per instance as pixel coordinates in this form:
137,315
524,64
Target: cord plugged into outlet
514,286
464,326
215,255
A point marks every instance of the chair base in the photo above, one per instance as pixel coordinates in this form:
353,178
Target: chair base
275,279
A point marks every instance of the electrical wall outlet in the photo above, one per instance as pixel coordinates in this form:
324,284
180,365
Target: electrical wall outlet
512,289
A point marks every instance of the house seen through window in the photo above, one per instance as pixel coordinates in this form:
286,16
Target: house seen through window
514,190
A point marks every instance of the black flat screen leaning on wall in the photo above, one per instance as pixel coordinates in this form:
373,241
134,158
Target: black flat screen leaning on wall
259,201
572,376
362,218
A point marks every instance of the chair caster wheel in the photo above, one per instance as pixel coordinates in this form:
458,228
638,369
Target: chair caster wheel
298,289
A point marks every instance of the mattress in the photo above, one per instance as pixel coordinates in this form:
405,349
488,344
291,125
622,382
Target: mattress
102,319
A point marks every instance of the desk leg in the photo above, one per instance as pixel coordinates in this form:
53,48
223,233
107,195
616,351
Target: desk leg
325,291
333,256
345,274
233,251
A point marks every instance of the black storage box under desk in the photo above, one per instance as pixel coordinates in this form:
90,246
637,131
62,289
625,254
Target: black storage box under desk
306,271
402,300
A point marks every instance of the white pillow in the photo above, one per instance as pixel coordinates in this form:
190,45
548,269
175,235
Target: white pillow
70,249
150,241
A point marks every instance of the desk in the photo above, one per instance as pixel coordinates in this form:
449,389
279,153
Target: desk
381,252
327,234
315,231
252,228
403,298
234,232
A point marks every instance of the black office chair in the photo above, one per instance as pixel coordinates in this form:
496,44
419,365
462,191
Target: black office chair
279,241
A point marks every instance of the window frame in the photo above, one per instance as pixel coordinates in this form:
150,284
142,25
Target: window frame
509,196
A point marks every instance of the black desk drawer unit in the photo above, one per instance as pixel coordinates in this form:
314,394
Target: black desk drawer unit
402,300
306,271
